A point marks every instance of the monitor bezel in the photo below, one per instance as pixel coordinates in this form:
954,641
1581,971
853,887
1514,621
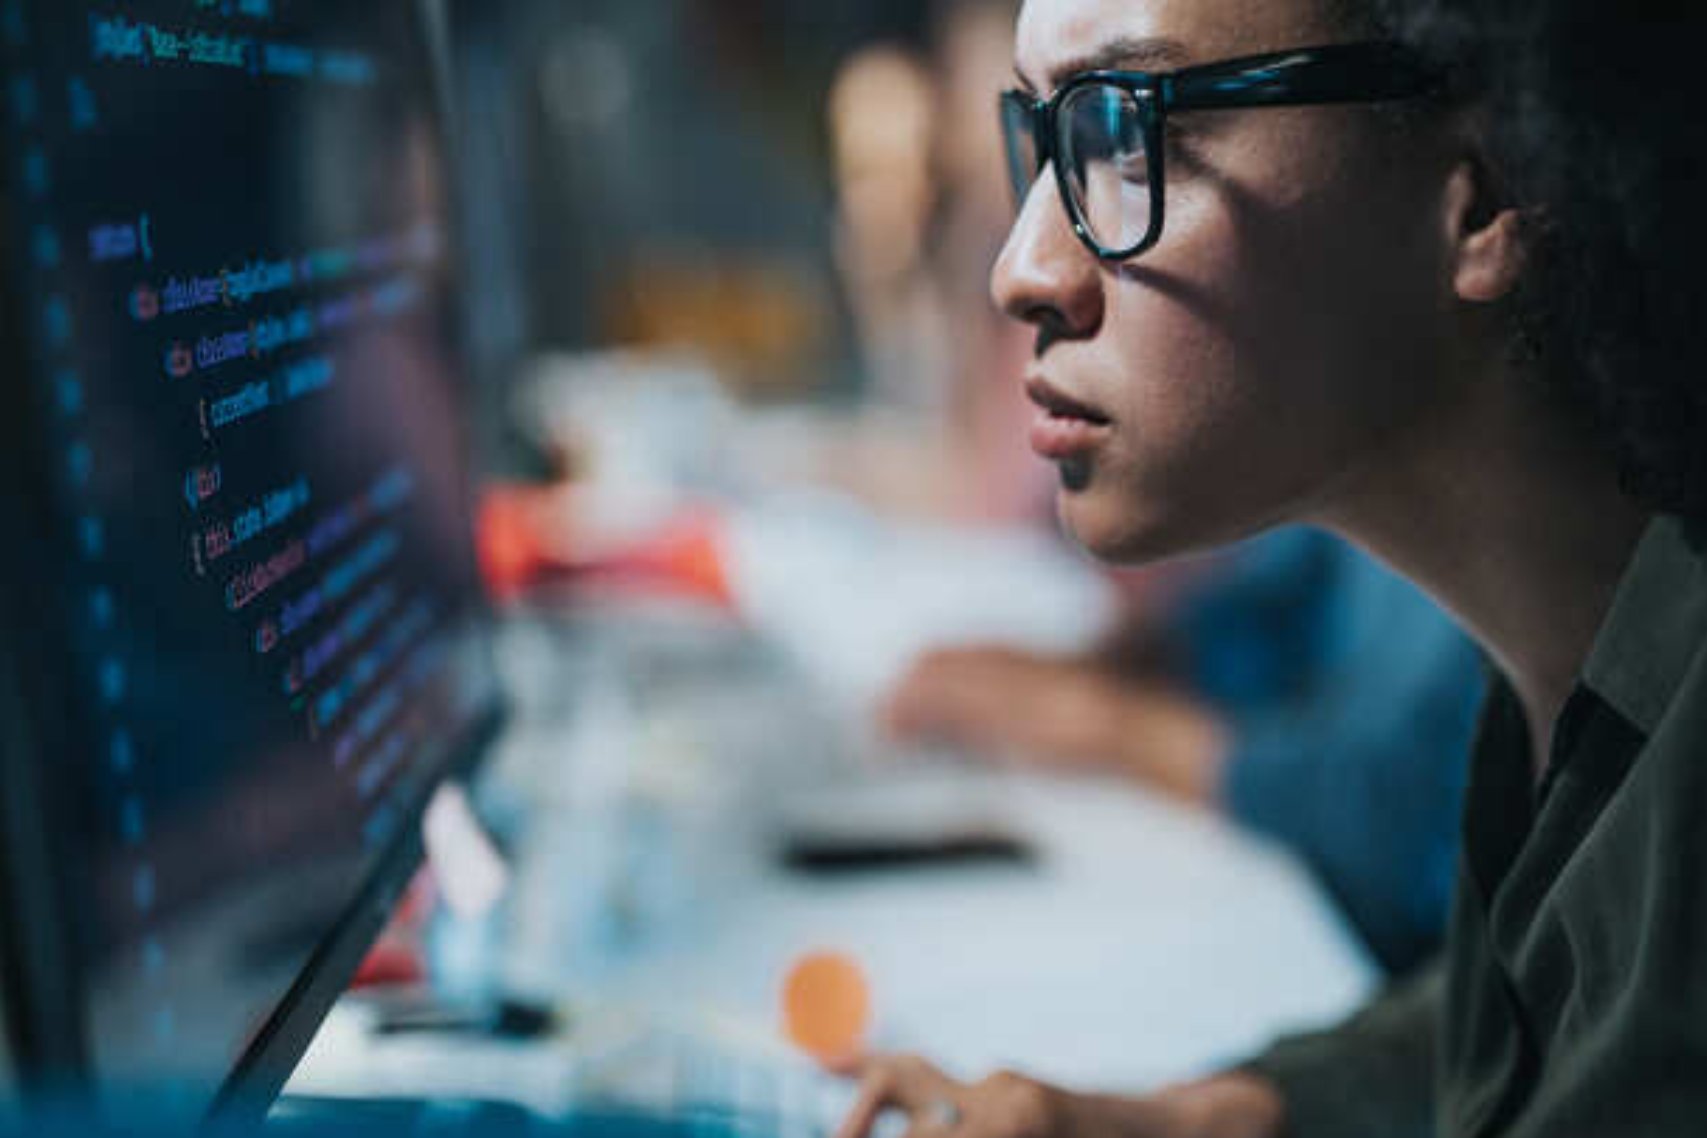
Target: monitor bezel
42,1011
264,1069
43,1016
38,969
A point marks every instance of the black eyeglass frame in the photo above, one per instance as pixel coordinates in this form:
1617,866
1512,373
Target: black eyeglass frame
1367,72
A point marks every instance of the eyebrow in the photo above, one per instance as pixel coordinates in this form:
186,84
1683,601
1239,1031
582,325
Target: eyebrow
1136,53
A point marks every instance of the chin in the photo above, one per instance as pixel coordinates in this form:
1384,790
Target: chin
1120,529
1112,529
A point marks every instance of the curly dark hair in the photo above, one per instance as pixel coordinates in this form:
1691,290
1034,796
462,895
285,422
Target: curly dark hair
1596,126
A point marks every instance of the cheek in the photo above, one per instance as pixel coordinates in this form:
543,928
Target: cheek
1178,390
1253,361
1173,386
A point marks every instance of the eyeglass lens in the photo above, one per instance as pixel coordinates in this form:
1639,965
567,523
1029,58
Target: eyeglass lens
1106,163
1018,129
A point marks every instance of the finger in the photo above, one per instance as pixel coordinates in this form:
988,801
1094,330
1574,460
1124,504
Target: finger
908,707
927,711
902,712
872,1101
849,1067
902,1082
941,1117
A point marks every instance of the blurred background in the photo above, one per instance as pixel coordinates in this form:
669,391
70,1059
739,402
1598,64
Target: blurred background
803,197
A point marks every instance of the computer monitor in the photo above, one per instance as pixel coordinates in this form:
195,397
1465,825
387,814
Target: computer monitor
242,638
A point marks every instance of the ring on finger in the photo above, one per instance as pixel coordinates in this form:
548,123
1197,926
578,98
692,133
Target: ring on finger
941,1114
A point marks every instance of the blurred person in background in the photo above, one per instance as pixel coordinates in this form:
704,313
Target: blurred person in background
1293,682
917,223
882,107
1296,685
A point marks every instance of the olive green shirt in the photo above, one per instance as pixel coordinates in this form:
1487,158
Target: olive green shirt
1572,998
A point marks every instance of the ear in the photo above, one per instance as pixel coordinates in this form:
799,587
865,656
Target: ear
1487,250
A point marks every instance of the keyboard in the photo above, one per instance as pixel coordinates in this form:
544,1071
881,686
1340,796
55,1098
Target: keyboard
718,1077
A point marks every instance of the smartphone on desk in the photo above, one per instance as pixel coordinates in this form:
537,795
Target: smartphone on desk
898,821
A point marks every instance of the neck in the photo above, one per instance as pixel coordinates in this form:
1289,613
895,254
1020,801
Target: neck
1512,519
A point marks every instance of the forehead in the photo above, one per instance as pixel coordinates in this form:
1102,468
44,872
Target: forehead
1056,35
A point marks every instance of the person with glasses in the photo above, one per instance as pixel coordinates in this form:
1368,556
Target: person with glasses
1424,273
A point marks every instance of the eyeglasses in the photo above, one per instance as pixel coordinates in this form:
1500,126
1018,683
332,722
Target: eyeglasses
1103,131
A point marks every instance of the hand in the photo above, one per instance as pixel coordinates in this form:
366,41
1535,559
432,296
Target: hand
1062,711
1003,700
1007,1105
1001,1106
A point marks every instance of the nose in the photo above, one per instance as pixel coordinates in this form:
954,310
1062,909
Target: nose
1045,276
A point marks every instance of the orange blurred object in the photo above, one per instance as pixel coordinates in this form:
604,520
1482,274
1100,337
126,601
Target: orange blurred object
528,537
391,965
688,553
826,1006
508,541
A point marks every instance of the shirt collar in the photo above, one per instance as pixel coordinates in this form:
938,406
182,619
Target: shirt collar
1655,628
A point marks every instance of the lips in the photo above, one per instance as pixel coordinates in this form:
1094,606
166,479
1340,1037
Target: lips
1065,428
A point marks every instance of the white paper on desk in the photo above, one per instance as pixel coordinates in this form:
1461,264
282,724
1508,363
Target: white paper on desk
471,874
856,599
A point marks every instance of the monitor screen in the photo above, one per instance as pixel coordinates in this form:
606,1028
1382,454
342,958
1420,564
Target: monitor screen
229,300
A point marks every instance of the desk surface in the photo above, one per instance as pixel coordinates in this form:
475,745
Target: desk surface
1146,943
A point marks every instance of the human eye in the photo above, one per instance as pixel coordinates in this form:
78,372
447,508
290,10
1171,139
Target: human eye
1105,130
1133,165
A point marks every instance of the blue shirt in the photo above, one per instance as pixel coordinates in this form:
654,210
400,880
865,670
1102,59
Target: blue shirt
1353,701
